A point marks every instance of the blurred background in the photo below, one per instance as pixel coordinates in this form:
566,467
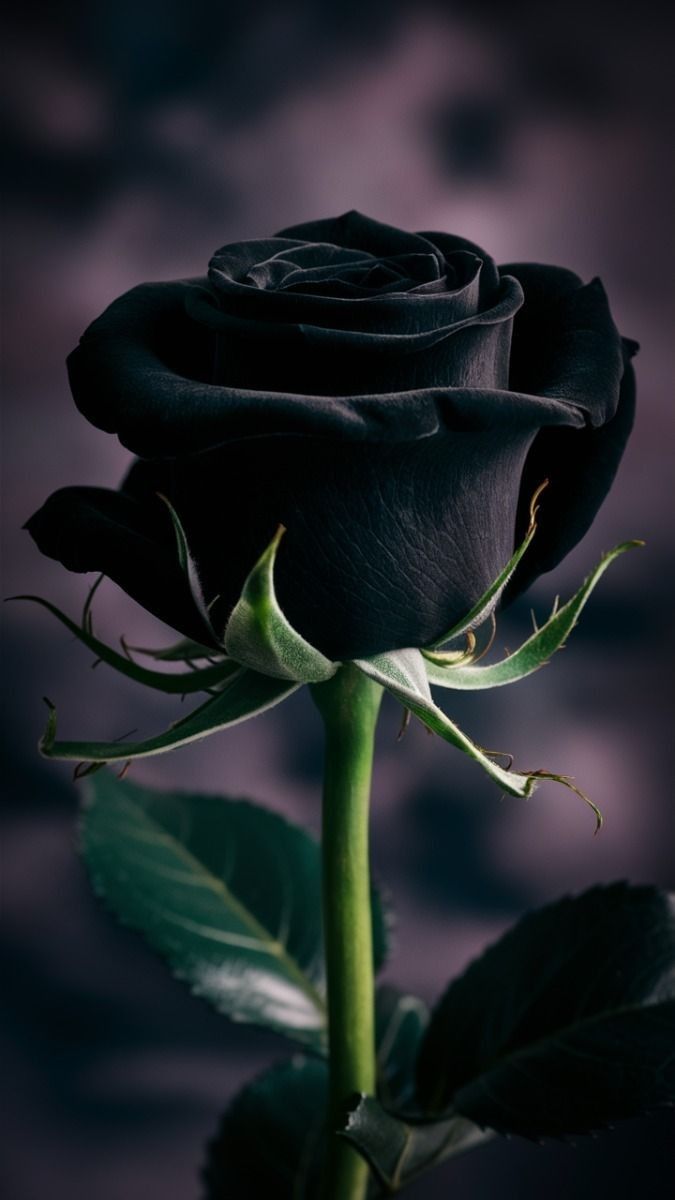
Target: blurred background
141,136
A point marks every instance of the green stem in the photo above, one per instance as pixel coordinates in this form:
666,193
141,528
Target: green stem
349,704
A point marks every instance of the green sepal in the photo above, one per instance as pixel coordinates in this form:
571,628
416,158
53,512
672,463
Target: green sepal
403,674
535,652
259,635
399,1148
188,565
483,607
244,694
186,650
227,891
202,680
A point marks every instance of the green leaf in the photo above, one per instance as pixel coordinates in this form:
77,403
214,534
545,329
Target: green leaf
245,694
178,684
483,607
258,634
228,892
271,1141
398,1148
400,1023
535,652
403,673
566,1024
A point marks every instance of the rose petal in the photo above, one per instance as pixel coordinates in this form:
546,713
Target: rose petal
241,280
386,546
565,343
460,349
580,465
130,376
451,246
94,529
352,230
407,338
295,258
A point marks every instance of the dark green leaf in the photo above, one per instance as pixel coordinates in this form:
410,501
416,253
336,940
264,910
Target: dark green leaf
271,1140
398,1149
400,1023
244,694
228,892
534,653
565,1025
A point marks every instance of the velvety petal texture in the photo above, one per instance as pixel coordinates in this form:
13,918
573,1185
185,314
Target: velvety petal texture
392,398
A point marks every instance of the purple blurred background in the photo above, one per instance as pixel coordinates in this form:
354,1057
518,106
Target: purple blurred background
141,137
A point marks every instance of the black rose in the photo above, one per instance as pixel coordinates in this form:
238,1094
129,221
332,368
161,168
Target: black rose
392,398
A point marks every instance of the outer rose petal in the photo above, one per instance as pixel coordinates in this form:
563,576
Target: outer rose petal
95,529
139,369
565,343
385,547
580,465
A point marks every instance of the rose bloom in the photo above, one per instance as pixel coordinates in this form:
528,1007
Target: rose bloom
392,398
